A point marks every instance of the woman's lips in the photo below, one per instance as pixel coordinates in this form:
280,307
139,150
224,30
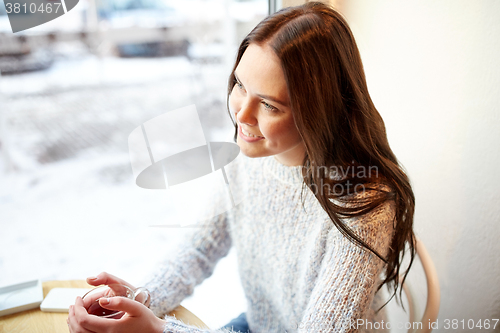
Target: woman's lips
248,138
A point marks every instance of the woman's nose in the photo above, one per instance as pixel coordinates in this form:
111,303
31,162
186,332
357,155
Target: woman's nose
246,114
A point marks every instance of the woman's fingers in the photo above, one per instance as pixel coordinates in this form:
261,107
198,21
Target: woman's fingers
106,278
89,323
131,307
74,325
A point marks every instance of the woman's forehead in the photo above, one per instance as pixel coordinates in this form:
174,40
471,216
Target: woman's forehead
259,70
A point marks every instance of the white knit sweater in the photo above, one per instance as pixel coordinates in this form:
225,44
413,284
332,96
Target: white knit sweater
299,273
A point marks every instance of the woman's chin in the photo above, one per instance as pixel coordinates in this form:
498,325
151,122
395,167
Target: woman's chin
250,153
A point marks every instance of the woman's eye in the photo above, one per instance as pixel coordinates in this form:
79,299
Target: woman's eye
239,85
269,107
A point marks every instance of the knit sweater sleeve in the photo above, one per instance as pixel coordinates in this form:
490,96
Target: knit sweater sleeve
349,275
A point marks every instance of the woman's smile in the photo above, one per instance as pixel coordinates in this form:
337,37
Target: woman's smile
248,137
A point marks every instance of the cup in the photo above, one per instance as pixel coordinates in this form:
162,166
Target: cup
91,299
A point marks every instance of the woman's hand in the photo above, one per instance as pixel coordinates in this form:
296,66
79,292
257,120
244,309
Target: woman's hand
137,318
105,278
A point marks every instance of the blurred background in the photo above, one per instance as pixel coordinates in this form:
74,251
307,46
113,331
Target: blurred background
73,89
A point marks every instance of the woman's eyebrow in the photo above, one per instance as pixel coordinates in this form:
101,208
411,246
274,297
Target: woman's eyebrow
274,99
271,98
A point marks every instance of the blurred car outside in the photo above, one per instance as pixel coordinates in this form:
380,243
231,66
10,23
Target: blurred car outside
146,15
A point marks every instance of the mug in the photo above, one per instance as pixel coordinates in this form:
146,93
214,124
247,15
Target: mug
91,299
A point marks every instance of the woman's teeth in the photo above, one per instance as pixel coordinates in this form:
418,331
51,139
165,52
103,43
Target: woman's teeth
250,135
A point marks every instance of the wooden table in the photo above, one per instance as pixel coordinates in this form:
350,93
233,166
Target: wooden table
36,321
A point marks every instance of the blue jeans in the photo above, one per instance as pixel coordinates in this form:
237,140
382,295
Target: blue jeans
239,324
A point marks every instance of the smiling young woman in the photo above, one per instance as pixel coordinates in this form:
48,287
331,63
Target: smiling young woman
328,211
307,58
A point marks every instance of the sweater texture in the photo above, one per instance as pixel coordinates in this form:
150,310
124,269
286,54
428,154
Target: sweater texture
298,272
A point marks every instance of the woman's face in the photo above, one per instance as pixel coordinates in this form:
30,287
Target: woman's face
261,105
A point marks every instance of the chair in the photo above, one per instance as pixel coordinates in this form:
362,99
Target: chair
433,293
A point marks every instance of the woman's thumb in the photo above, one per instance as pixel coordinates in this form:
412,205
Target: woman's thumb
121,304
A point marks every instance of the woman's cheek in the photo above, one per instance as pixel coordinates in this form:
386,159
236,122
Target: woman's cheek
268,130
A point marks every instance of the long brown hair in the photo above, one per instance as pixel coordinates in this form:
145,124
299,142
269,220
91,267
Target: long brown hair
338,122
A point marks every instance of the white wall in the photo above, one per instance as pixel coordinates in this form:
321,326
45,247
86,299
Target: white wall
433,70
